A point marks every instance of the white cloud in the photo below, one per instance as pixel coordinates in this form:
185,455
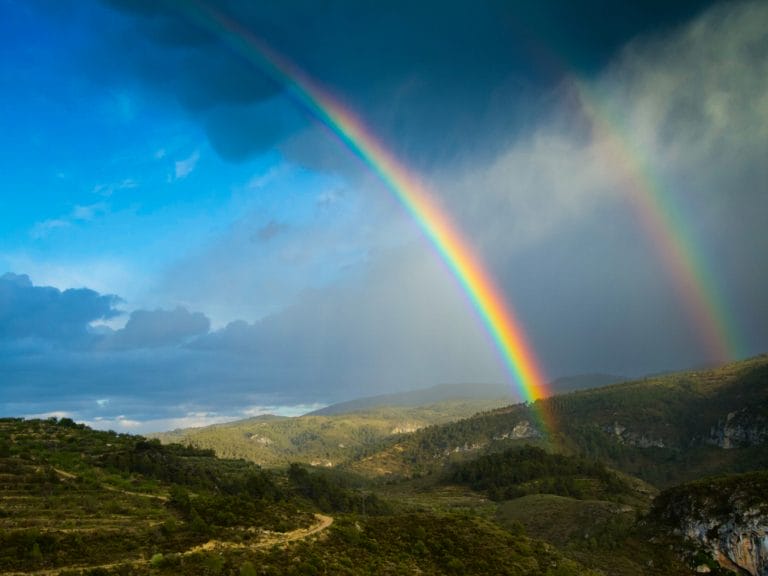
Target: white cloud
44,228
261,180
78,214
688,112
118,423
192,419
107,190
104,275
184,168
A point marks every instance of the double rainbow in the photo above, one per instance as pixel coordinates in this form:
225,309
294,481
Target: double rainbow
486,299
653,207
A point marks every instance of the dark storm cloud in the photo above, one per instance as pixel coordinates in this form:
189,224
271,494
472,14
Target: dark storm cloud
28,311
434,82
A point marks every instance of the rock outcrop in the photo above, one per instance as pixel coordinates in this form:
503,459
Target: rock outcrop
726,517
630,438
740,429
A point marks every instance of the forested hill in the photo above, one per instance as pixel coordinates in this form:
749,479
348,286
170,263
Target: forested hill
665,429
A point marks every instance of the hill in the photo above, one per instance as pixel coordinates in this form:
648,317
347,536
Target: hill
343,432
665,429
322,440
81,502
502,393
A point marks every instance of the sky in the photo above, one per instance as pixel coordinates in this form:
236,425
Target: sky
184,241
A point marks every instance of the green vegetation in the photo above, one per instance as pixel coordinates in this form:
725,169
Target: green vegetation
664,430
321,440
530,470
713,498
490,494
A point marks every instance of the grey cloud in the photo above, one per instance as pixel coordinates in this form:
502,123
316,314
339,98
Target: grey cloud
269,231
28,311
556,219
159,328
404,323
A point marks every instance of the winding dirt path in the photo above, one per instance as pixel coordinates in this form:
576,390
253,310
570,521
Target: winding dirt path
268,540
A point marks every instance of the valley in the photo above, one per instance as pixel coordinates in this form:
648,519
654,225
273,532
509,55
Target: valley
612,486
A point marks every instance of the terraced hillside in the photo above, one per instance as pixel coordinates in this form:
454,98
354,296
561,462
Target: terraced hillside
71,497
81,502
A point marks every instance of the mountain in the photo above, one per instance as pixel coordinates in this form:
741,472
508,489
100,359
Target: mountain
423,397
343,432
666,430
447,392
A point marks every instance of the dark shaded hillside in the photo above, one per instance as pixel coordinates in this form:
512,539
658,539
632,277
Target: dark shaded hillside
528,470
666,429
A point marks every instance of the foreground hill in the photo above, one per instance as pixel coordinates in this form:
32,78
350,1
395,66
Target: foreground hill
78,502
666,430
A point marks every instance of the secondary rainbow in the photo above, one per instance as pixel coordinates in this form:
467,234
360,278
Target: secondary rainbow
486,298
665,228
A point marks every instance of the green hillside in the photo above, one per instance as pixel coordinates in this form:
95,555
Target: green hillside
666,429
495,493
81,502
321,440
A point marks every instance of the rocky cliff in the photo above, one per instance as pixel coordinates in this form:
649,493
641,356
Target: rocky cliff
746,427
726,517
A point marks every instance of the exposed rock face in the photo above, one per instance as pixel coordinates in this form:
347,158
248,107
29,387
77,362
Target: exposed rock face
742,542
633,438
521,430
727,517
406,428
740,429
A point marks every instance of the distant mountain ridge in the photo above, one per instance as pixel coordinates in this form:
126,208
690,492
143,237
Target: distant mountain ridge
477,391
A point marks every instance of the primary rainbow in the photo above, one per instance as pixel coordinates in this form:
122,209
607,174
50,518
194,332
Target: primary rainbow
666,229
498,319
